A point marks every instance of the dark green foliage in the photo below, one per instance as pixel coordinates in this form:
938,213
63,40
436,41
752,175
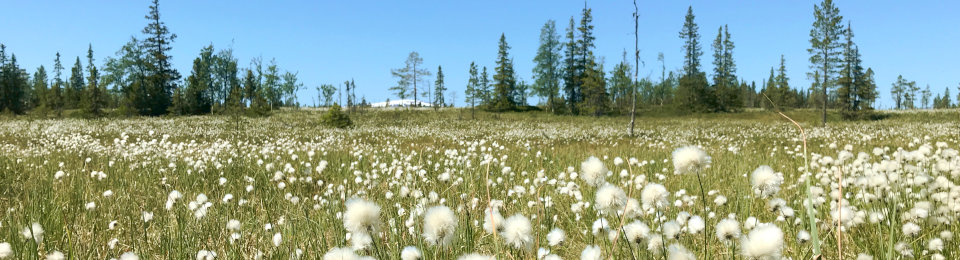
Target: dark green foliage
725,87
548,69
504,81
38,97
197,97
55,96
326,92
691,44
694,94
439,89
620,85
825,48
94,99
409,76
13,84
156,94
571,78
74,94
596,101
900,90
336,118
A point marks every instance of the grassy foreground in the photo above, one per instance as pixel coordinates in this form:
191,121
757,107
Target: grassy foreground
97,189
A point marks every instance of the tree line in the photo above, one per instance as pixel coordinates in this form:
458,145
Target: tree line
140,80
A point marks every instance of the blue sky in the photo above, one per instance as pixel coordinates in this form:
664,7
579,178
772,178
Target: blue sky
333,41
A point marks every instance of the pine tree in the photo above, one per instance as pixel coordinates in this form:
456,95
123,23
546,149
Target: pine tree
946,98
825,47
621,86
438,90
504,81
548,69
409,76
925,97
94,100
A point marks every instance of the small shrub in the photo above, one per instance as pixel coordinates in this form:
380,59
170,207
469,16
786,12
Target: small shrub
336,118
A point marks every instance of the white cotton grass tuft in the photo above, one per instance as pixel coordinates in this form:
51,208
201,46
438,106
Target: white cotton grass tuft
728,230
765,181
556,237
340,253
517,232
591,253
610,198
764,241
206,255
34,231
439,224
129,256
677,252
5,250
636,231
492,220
476,256
277,239
910,229
594,172
654,195
411,253
803,236
56,255
863,256
361,216
689,159
695,225
671,229
233,225
360,241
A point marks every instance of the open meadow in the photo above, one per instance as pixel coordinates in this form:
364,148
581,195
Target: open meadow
439,185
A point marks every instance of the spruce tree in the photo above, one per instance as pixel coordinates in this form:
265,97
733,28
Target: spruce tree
472,93
571,80
94,98
595,98
504,81
75,92
438,89
55,98
161,76
197,98
548,69
693,93
14,82
691,44
40,89
825,48
485,93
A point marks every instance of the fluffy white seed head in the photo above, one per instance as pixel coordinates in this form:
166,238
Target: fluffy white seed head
655,195
476,256
594,172
671,229
591,253
340,253
765,181
439,223
689,159
556,237
636,231
695,225
411,253
517,232
5,250
610,198
728,230
361,216
677,252
764,241
492,220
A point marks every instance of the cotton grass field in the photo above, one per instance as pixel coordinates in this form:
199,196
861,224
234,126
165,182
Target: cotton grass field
439,185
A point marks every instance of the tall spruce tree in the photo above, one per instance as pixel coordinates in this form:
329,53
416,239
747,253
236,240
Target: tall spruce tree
55,98
77,85
825,48
472,93
438,89
724,78
197,98
485,93
548,69
40,88
693,93
95,99
14,82
161,76
504,81
571,80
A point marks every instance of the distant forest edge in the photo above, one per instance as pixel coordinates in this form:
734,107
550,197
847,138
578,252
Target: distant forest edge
567,79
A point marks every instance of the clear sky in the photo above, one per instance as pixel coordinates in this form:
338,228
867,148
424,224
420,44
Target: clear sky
333,41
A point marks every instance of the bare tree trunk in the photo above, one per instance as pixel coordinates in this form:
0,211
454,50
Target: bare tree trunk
636,65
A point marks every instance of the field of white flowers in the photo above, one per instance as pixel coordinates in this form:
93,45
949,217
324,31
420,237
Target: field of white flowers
426,185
